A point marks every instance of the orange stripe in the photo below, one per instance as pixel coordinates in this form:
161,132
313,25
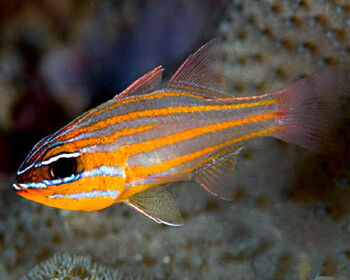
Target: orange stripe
209,159
153,144
166,111
109,139
99,158
81,185
151,96
100,140
144,171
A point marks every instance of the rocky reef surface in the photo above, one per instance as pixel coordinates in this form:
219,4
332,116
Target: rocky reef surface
290,218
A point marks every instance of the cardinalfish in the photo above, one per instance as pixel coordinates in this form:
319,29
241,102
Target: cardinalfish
131,147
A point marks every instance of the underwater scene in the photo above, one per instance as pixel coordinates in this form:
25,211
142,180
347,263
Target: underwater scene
174,139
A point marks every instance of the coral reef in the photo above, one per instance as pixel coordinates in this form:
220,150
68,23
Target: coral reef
269,44
64,266
291,215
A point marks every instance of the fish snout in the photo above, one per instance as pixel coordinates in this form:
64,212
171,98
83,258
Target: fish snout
19,187
19,183
27,181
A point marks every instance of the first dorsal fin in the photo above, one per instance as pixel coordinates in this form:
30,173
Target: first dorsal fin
147,83
157,204
200,73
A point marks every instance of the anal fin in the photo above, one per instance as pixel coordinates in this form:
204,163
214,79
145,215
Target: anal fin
218,176
157,204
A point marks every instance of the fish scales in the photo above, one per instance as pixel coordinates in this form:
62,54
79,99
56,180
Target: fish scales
130,147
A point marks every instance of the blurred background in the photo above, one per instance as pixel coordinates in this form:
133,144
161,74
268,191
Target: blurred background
291,215
60,58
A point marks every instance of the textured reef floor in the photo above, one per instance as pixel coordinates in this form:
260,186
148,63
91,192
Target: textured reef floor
290,218
270,231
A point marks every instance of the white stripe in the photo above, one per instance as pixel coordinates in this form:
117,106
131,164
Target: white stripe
34,152
65,180
103,170
92,194
33,185
16,187
19,172
52,159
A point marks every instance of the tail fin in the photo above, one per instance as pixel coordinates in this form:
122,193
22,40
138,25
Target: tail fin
311,108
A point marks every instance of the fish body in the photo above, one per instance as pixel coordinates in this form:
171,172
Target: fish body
128,148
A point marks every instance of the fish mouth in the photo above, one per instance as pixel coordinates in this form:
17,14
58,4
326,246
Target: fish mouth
19,187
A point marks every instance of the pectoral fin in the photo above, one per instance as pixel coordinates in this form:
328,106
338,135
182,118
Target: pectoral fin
218,176
158,205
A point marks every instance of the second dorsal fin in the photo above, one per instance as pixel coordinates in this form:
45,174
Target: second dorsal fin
218,176
200,73
147,83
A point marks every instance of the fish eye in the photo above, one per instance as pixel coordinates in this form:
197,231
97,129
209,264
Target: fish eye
62,168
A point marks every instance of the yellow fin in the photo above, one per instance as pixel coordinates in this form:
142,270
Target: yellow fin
157,204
